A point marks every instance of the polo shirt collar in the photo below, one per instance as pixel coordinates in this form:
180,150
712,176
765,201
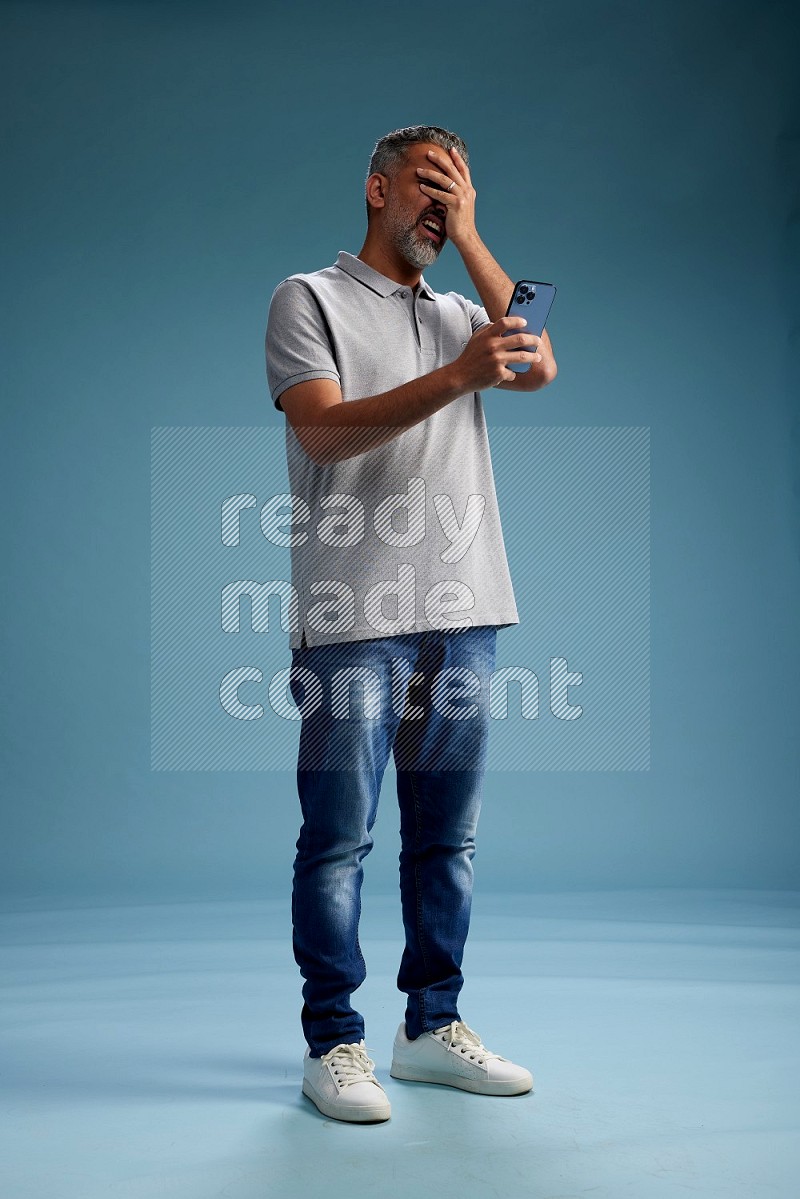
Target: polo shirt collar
374,280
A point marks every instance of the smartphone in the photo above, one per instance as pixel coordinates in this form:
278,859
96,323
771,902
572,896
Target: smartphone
532,300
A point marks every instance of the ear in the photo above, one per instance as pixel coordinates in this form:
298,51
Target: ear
376,191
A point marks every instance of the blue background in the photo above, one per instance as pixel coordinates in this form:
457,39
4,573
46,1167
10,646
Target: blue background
167,164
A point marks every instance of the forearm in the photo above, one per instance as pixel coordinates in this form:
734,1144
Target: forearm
491,282
353,427
495,290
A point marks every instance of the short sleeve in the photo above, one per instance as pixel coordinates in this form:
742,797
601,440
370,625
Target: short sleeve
478,315
297,344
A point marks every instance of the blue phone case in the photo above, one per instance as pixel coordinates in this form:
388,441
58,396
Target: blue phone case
533,300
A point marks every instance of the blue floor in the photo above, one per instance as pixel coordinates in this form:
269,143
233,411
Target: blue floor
156,1051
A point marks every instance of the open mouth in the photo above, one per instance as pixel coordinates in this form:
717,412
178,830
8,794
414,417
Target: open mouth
433,228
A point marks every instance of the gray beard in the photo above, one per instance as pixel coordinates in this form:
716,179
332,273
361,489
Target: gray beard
414,246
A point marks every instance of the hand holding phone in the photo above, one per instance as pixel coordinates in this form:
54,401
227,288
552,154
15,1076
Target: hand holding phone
532,301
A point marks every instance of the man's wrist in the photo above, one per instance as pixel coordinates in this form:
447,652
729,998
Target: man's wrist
451,380
469,243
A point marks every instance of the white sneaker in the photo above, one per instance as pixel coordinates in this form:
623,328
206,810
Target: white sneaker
455,1055
342,1085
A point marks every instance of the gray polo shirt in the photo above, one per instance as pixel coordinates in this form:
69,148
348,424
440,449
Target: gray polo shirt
406,536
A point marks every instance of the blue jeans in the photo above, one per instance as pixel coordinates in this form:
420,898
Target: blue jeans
437,726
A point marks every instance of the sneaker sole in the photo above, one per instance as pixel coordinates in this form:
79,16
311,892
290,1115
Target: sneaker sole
354,1115
476,1085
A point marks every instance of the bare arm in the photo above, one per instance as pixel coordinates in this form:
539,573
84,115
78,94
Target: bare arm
330,430
495,290
448,178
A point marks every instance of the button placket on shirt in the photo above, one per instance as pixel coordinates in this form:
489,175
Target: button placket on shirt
416,319
404,295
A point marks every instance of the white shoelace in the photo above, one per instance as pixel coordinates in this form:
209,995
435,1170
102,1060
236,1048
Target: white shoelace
465,1040
349,1064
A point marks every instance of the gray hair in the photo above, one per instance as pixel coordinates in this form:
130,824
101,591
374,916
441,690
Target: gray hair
389,153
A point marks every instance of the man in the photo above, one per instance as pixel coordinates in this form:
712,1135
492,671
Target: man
379,378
